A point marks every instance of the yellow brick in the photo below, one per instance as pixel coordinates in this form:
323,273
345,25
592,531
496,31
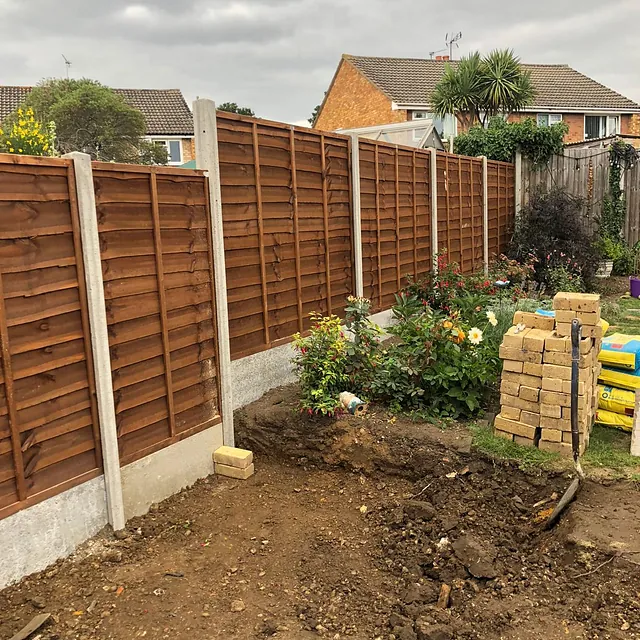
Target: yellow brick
530,418
514,339
529,393
558,447
517,428
567,435
565,317
561,301
532,369
583,387
518,403
555,423
585,302
565,359
557,343
552,384
521,355
533,320
534,340
559,399
591,319
556,371
233,472
550,411
510,388
586,345
503,434
524,442
233,457
512,365
563,329
551,435
522,379
510,413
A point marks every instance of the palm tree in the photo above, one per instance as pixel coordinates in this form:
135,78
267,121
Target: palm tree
477,88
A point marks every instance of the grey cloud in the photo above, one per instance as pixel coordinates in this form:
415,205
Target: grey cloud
278,56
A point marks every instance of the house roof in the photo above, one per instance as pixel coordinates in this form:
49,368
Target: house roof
558,86
165,110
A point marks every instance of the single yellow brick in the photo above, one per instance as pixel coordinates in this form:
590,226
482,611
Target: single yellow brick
585,302
524,442
518,403
591,319
534,340
503,434
533,320
233,457
535,382
532,369
563,329
552,384
530,394
514,366
510,413
586,346
583,387
555,423
510,388
234,472
551,435
517,428
560,399
530,418
514,338
550,411
567,437
557,343
565,359
556,371
555,447
565,316
520,354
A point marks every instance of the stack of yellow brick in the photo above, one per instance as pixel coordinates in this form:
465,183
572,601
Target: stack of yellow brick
536,380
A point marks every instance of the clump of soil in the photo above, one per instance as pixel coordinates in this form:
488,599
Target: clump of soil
375,528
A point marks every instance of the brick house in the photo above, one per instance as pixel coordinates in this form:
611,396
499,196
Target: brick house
368,91
167,115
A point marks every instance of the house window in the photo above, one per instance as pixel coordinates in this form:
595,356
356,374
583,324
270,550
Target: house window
547,119
446,127
601,126
174,150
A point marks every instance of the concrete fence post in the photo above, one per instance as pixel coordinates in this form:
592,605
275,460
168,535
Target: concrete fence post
99,336
518,182
357,214
207,158
433,165
485,214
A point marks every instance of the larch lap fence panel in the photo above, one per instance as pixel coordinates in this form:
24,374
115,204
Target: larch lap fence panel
460,213
632,197
49,430
501,214
287,228
396,219
155,242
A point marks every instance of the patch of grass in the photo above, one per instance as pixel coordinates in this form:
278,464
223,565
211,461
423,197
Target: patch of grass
623,315
609,448
525,457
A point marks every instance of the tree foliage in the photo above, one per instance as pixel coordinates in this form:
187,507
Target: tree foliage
232,107
500,140
314,115
89,117
477,88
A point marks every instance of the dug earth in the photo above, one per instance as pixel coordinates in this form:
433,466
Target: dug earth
364,528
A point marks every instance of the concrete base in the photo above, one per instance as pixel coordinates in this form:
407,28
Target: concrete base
160,475
33,539
254,375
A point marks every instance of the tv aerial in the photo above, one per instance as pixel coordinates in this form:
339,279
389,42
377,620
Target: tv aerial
67,64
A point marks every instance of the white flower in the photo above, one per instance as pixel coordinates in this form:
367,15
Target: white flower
491,316
475,335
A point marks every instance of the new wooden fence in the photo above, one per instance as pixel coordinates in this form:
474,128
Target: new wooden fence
49,430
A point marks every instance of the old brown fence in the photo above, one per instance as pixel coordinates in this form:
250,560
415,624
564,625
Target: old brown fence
291,245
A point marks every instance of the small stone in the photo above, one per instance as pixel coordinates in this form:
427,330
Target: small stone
427,631
419,510
122,534
237,606
205,614
37,603
111,555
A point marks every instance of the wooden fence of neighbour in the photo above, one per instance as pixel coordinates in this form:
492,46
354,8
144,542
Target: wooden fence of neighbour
501,196
585,173
155,239
49,430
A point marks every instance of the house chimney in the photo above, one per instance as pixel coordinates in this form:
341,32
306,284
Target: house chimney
439,58
445,58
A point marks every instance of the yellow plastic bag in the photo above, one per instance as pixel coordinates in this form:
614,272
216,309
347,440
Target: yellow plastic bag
611,419
616,400
621,351
621,379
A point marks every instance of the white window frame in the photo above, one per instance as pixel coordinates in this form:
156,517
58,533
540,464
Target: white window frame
557,119
164,140
606,132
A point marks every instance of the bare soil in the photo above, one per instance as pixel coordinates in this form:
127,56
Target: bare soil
349,529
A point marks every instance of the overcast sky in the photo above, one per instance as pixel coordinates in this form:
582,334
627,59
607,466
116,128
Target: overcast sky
278,56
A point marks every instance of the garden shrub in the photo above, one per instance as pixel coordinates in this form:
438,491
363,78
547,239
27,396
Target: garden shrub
550,233
321,359
24,135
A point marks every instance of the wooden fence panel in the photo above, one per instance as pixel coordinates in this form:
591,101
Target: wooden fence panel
501,215
287,225
49,430
396,218
155,238
632,197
